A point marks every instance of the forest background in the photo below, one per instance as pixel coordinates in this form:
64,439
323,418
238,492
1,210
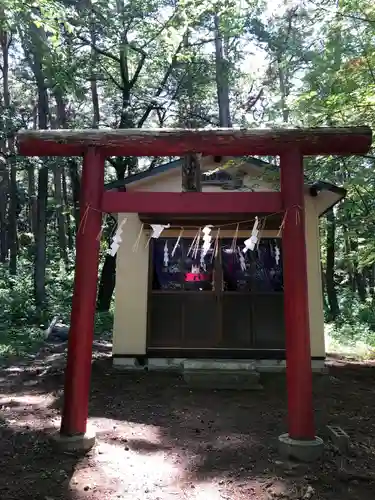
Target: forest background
176,63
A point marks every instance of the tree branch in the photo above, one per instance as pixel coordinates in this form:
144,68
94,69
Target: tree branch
111,161
159,32
98,50
160,89
204,119
140,65
111,77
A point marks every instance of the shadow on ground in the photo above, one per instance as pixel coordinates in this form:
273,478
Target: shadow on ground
29,466
159,440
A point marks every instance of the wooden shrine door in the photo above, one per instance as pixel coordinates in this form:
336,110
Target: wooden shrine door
231,302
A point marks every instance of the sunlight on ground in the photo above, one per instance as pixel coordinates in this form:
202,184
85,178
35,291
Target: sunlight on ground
137,457
32,412
359,350
139,464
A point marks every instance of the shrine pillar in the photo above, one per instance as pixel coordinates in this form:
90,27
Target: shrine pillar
300,442
73,433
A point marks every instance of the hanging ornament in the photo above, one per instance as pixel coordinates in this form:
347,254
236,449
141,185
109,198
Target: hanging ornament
252,241
216,246
233,247
202,261
194,242
98,238
196,246
241,259
116,240
157,229
207,238
177,242
277,255
166,254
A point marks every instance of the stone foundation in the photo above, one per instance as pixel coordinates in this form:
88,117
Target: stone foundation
182,364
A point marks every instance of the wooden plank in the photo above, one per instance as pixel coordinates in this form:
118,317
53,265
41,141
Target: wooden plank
191,203
179,142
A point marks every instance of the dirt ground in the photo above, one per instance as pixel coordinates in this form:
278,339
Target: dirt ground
158,440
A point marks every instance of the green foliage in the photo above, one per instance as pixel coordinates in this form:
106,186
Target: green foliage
354,330
21,327
148,61
19,341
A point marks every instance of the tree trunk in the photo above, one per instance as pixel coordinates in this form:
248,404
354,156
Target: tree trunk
93,68
32,199
57,173
67,215
371,280
75,182
348,259
359,278
42,198
40,243
107,284
324,295
4,182
330,270
222,77
361,286
12,227
284,93
10,149
123,165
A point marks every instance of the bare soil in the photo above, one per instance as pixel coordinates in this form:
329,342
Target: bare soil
158,440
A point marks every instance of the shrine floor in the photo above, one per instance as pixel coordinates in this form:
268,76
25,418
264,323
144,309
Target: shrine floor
158,439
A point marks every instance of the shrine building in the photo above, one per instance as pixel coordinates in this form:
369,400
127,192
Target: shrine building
175,304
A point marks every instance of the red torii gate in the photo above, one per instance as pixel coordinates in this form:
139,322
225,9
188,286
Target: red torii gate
290,144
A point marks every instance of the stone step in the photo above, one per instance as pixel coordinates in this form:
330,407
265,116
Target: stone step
218,364
221,375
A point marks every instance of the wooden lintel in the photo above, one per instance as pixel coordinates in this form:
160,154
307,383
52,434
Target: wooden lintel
179,142
191,203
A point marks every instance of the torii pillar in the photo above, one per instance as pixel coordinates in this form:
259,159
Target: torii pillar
300,442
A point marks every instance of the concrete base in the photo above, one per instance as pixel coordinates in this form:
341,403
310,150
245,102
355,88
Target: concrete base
181,364
339,438
80,442
302,451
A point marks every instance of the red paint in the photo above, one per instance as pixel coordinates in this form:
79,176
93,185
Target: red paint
298,356
191,203
318,141
189,277
78,370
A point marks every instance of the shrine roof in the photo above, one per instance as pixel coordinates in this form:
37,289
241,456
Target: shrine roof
334,193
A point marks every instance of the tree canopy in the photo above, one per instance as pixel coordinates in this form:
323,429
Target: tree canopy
147,63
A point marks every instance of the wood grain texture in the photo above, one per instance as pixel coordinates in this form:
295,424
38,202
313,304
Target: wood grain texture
179,142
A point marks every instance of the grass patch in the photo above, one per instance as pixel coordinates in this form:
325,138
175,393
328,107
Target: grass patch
19,342
350,342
